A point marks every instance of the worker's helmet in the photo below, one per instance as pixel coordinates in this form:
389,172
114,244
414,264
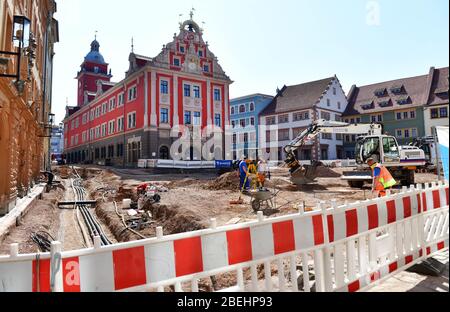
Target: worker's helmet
370,161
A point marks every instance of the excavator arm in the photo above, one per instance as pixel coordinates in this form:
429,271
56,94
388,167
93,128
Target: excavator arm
302,174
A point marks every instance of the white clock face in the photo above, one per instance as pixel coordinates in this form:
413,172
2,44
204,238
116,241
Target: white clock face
191,65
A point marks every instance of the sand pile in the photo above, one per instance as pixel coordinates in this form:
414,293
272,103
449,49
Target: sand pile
326,172
227,181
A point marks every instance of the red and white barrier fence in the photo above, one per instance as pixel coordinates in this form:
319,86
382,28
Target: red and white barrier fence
345,248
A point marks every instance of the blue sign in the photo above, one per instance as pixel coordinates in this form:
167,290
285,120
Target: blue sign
224,164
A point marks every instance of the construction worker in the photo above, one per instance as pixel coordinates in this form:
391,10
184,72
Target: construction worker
243,174
382,178
251,166
262,172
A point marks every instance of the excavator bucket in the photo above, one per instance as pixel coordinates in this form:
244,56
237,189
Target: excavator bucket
305,174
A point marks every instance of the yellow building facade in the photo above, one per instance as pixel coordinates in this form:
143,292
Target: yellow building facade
25,104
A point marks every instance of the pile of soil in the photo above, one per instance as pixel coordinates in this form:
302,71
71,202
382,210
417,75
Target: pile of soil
126,192
228,181
326,172
172,220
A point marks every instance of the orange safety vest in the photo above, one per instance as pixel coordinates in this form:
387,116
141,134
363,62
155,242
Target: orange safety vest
385,180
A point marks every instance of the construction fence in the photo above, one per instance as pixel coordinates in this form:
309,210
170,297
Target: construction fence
334,248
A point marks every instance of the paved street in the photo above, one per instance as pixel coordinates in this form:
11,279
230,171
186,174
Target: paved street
412,282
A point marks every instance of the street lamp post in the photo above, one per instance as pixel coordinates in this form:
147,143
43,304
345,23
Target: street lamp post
21,40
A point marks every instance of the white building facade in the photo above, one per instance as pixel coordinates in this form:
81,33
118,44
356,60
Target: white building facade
297,107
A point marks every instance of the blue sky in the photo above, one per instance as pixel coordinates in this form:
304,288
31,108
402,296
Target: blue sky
262,44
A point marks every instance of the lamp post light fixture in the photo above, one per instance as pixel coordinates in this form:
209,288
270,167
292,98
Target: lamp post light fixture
21,40
48,127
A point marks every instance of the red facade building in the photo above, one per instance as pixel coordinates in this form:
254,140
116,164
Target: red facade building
160,104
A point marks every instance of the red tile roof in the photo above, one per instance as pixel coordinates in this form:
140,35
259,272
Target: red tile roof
302,96
418,91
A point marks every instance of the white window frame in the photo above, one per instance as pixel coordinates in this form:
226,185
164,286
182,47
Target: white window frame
168,86
120,99
104,128
112,104
120,124
83,137
199,91
214,94
104,108
179,61
131,124
250,107
209,67
111,127
198,119
132,93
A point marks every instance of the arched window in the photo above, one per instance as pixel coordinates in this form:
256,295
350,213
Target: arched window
252,107
232,110
164,152
242,109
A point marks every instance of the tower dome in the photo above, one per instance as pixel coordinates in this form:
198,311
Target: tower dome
94,55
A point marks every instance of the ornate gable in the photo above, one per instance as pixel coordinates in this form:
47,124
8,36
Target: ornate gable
189,53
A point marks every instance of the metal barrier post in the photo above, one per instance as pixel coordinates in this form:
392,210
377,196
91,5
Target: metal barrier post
56,277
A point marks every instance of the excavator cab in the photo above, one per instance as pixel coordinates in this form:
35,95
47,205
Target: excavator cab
383,149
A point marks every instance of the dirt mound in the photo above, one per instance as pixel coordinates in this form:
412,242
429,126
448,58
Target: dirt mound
126,192
326,172
228,181
172,220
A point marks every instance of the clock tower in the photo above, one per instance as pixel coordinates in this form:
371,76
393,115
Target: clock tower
94,68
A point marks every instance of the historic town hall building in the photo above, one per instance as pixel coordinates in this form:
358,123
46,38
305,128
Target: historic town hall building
137,118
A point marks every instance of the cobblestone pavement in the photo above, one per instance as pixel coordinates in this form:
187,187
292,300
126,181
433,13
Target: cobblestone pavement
412,282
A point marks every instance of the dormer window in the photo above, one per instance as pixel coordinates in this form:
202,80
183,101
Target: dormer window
176,62
368,106
200,53
385,103
206,68
441,92
403,100
380,92
397,89
182,49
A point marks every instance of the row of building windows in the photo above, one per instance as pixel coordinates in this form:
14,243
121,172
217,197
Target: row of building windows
406,133
242,108
182,49
110,128
299,116
247,137
195,118
243,123
177,63
441,112
405,115
189,90
104,108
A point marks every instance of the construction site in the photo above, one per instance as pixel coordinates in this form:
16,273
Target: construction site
123,205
